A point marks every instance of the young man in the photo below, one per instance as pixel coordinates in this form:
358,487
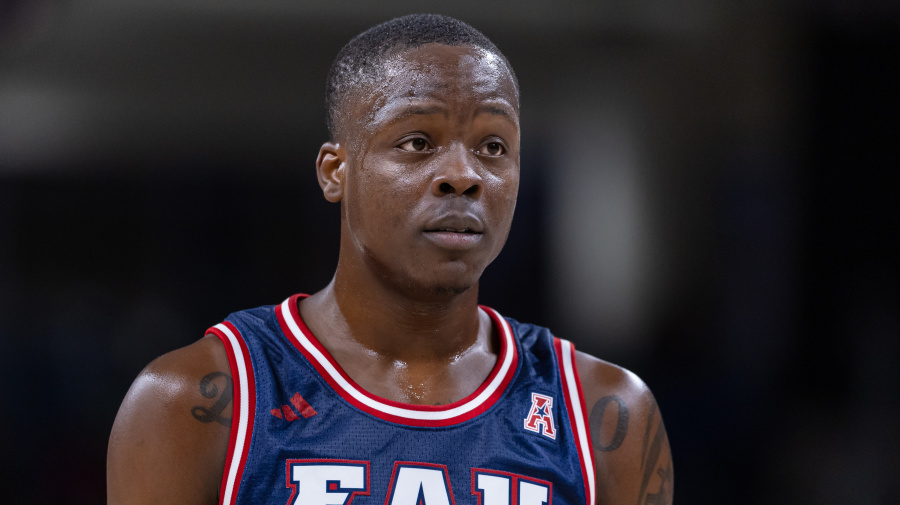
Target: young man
391,385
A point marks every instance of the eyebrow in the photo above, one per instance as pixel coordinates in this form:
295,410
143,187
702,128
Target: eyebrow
386,115
496,110
392,113
421,110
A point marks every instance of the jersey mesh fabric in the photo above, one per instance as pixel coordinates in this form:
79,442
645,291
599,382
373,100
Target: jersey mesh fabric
493,440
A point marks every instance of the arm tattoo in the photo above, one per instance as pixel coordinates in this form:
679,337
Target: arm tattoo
210,390
596,422
651,464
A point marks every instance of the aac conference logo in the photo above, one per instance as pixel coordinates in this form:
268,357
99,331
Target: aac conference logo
540,416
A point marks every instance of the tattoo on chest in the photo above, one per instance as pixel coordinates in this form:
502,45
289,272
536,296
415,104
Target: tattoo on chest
601,412
209,388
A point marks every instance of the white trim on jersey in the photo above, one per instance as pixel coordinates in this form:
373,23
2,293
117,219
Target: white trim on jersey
243,415
575,403
506,361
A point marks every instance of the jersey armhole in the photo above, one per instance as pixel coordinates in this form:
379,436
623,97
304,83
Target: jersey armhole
243,412
571,383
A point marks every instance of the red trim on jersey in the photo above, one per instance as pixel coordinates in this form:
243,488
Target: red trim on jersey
350,498
584,412
514,479
397,464
507,346
238,403
585,460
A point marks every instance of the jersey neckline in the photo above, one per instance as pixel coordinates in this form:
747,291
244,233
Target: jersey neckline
457,412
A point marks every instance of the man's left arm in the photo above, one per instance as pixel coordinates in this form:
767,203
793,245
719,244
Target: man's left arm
631,449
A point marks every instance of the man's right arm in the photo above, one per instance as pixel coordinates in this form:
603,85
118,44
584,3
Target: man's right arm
170,438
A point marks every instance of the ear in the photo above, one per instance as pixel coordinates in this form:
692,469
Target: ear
330,167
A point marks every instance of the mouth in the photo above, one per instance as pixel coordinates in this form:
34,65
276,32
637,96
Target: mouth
454,239
455,232
455,223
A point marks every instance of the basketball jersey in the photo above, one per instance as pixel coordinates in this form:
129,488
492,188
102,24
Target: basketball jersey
303,432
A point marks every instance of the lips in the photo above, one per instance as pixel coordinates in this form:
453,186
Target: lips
455,231
455,223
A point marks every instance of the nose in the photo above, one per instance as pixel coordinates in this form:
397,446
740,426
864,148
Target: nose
457,174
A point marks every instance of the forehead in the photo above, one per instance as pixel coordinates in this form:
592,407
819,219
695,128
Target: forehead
439,67
453,76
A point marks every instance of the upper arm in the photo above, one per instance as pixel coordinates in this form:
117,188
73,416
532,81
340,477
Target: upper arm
631,449
170,438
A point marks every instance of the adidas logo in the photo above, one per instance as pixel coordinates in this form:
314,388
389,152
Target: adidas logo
302,407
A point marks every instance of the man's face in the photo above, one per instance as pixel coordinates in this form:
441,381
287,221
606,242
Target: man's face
432,169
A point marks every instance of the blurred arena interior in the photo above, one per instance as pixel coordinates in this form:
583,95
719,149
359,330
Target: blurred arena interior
709,198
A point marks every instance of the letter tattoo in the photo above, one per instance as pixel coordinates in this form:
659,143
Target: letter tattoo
210,390
656,461
596,421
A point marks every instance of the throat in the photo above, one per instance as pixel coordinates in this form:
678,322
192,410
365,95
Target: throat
406,353
423,383
422,370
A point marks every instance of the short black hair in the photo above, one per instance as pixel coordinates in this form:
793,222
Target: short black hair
362,57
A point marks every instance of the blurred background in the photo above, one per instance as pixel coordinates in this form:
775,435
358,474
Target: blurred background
709,198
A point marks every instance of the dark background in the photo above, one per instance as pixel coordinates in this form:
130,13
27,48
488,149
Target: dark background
709,199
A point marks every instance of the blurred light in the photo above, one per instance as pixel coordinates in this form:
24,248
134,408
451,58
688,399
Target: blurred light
600,231
39,125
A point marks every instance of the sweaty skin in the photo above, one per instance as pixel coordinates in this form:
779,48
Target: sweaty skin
425,167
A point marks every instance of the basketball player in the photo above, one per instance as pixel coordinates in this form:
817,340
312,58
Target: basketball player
392,385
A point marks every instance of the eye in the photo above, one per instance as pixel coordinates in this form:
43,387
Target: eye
415,145
492,149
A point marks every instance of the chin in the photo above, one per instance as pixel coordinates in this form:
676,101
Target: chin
445,290
449,279
435,286
456,279
436,289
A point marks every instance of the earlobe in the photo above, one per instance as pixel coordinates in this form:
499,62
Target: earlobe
330,166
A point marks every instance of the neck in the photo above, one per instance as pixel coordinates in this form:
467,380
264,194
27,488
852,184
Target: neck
413,347
392,324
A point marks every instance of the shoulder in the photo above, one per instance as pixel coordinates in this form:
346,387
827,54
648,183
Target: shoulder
631,449
170,438
602,380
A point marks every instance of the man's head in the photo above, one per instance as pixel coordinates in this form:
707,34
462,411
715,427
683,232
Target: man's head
361,64
425,157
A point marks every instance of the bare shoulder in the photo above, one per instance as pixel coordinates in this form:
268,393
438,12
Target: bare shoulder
170,438
631,448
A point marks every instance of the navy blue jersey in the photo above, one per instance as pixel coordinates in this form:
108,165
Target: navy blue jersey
303,432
